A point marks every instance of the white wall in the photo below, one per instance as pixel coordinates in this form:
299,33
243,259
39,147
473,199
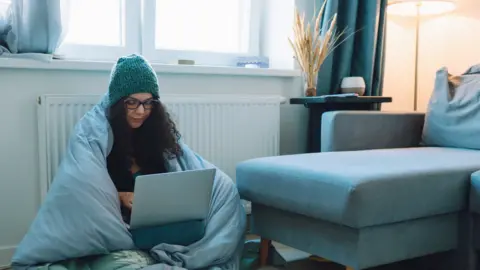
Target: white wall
451,40
19,88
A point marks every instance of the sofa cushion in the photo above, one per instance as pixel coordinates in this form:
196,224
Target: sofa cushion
453,112
362,188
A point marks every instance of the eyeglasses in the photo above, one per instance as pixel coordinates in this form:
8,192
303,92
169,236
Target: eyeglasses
133,103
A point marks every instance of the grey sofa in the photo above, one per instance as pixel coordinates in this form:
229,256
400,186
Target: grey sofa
373,196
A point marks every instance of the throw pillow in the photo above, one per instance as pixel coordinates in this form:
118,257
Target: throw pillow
453,115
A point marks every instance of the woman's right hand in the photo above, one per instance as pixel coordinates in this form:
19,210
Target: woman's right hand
126,199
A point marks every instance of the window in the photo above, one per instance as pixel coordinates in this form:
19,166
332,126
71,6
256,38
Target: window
104,26
201,27
4,5
101,30
210,32
4,16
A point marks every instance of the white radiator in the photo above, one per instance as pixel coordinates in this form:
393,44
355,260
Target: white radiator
224,129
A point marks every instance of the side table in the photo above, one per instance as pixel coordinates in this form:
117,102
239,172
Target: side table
318,105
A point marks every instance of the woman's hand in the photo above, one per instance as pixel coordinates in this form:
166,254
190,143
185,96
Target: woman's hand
126,199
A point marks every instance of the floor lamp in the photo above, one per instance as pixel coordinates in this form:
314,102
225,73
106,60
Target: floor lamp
417,9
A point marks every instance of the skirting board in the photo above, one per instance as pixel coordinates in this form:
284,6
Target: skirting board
6,254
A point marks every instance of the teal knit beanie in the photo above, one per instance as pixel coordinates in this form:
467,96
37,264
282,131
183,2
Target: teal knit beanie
132,74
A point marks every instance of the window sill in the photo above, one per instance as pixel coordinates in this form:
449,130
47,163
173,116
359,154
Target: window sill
159,68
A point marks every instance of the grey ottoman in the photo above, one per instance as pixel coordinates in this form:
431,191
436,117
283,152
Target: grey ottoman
360,208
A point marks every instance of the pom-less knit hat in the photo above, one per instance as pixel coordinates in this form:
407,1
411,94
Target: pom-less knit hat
132,74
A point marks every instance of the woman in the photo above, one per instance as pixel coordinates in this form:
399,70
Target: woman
79,219
144,134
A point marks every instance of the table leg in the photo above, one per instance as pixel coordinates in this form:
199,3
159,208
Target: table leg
264,250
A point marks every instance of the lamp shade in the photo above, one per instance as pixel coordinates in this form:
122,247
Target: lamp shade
420,7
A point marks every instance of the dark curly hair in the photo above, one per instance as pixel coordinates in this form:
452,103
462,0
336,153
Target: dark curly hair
150,145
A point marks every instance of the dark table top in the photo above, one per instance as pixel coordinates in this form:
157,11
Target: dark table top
339,99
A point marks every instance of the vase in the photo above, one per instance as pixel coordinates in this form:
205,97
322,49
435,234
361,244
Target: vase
310,89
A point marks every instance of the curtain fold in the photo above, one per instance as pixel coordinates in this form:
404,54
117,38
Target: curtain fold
362,51
35,28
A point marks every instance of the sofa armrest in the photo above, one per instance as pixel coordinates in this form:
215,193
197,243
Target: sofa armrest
364,130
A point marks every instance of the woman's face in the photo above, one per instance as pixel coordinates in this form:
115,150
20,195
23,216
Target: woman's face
138,107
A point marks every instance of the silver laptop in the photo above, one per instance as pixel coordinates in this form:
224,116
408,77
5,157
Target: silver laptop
171,197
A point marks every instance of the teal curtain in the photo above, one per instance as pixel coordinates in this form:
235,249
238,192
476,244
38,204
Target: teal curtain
362,51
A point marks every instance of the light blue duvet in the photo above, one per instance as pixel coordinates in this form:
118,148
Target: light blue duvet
81,214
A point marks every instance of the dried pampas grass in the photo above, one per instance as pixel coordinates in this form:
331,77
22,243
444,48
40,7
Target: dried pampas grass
312,46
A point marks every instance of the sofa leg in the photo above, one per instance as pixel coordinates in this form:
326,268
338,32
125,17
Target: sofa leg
264,248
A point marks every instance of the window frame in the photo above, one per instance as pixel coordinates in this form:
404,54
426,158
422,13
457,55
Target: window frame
131,26
138,24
